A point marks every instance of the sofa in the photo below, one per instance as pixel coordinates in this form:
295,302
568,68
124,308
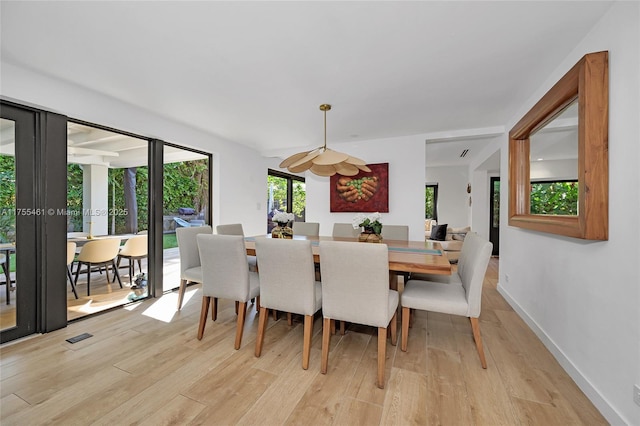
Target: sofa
450,238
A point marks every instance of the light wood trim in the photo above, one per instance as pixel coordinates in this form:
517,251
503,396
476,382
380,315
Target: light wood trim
587,81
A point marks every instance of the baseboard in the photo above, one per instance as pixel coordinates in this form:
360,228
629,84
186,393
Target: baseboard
609,413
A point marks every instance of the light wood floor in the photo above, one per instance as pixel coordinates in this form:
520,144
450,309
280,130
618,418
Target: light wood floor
145,366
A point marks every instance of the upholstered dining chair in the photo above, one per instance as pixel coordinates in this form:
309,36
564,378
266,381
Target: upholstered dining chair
454,278
7,276
134,248
309,229
355,288
345,230
190,269
452,298
99,253
287,283
225,275
395,232
71,255
236,229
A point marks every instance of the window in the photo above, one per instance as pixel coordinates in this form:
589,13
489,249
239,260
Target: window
431,201
285,192
558,197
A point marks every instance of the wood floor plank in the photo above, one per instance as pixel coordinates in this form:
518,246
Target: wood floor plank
293,385
446,398
178,411
357,412
405,399
322,400
487,397
415,358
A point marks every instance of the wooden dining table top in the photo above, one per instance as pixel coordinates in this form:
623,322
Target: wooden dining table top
404,256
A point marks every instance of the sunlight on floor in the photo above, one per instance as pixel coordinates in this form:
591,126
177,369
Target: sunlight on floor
164,308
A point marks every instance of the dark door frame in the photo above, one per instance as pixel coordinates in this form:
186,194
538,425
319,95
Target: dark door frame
494,232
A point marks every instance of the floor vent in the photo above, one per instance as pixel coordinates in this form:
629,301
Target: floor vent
79,337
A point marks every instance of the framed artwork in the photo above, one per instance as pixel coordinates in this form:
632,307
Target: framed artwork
364,192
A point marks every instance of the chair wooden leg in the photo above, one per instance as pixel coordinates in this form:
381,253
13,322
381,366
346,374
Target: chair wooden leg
214,310
242,313
326,339
343,329
306,341
203,315
262,327
394,328
289,319
475,326
237,304
406,313
382,354
332,327
257,303
275,314
181,290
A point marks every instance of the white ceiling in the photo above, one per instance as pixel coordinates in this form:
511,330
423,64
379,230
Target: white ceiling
256,72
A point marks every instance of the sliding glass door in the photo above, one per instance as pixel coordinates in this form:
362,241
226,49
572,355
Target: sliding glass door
17,223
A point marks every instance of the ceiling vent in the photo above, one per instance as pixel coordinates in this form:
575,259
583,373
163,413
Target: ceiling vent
464,153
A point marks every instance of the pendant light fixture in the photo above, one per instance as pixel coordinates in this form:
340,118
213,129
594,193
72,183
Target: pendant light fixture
323,161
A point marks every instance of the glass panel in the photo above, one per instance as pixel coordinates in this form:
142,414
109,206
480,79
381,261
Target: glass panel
185,203
299,200
554,165
8,290
495,220
107,198
276,198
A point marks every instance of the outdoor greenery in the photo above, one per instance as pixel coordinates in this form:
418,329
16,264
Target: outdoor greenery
429,201
279,188
186,184
554,198
7,199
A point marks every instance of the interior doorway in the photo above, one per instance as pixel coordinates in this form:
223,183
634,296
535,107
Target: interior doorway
494,215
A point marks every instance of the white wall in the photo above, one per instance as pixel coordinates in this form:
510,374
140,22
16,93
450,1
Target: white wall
239,172
453,200
405,156
582,298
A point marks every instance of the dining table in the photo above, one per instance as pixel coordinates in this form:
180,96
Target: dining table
404,256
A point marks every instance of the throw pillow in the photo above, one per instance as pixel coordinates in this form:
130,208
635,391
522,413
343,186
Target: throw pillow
439,232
